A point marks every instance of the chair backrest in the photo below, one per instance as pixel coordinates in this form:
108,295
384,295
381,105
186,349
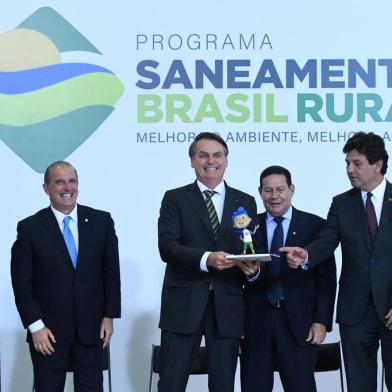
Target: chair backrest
199,364
328,357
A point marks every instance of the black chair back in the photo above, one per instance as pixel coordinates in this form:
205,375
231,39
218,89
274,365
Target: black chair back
199,364
328,357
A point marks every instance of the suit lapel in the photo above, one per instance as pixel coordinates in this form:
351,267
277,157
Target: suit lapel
83,230
360,216
228,210
53,229
386,212
198,204
263,230
294,229
293,234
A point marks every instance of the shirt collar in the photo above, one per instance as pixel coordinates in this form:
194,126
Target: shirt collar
60,216
220,188
287,215
377,192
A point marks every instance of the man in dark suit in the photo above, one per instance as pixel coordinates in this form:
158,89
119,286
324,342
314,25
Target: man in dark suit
287,312
66,280
202,290
361,221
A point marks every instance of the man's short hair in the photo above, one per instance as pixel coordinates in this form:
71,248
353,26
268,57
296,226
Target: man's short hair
52,165
208,136
279,170
370,145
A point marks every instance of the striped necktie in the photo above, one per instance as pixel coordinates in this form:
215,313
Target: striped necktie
211,211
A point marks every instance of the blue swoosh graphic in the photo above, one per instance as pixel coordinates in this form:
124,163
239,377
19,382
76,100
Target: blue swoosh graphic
36,78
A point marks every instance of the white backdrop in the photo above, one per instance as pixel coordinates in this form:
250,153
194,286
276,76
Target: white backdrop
127,176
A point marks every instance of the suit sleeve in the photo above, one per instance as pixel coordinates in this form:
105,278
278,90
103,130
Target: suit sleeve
112,273
327,240
22,274
325,276
170,232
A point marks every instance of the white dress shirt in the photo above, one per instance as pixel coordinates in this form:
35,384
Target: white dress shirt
218,200
271,225
377,198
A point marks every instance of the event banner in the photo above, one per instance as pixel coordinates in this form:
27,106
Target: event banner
121,89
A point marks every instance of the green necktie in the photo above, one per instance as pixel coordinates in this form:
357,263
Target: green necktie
211,211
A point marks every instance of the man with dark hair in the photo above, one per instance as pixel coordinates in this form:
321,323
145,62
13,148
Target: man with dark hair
287,311
66,280
361,221
202,290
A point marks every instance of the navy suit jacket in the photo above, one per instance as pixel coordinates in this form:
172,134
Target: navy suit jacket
185,233
365,270
46,285
309,294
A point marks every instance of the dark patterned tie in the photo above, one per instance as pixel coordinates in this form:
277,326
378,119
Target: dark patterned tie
371,217
274,286
211,211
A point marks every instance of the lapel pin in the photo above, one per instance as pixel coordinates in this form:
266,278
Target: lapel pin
390,199
294,233
86,220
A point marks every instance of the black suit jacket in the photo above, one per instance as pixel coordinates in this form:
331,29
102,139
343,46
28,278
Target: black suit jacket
364,270
309,294
185,233
46,285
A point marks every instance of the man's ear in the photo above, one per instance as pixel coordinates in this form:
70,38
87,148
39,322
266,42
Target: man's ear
378,165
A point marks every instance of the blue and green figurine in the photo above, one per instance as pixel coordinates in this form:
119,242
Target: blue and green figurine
241,222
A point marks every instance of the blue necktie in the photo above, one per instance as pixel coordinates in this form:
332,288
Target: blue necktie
69,240
274,286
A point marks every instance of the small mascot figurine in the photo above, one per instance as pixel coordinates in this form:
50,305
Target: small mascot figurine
241,221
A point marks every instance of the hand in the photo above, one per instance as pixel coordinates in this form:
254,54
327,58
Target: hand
106,330
249,268
295,255
42,341
317,333
389,319
218,261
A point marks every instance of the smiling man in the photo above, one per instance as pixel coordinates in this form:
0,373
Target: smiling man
361,221
66,280
288,312
202,290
